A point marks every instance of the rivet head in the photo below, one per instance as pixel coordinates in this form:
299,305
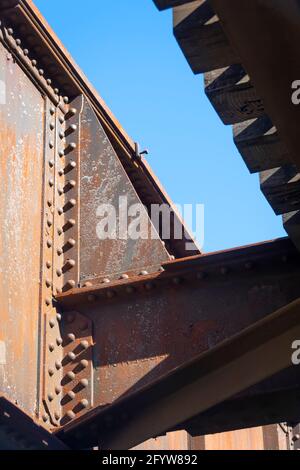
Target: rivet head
84,363
10,31
71,242
71,395
71,414
70,263
84,403
49,243
66,99
59,272
58,390
71,337
57,415
18,42
25,52
58,365
51,182
71,284
52,125
45,418
51,163
41,72
71,375
48,301
51,372
124,276
106,281
73,202
84,344
72,222
61,134
71,356
52,323
48,264
61,172
84,383
52,110
61,153
50,397
58,317
59,341
51,347
88,284
60,251
34,62
49,81
72,111
51,144
144,273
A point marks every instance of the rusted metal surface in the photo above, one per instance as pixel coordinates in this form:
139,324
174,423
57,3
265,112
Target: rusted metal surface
105,346
19,432
146,326
40,51
21,164
104,181
257,353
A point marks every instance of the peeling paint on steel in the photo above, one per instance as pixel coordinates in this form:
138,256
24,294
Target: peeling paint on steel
21,162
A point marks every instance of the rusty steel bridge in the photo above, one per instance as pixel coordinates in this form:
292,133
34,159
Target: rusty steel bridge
123,344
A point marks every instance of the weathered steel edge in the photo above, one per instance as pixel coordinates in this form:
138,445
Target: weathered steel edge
22,432
115,131
246,256
166,391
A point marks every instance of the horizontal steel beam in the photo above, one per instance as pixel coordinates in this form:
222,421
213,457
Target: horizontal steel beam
257,353
146,326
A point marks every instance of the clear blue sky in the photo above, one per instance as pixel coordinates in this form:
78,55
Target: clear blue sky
127,50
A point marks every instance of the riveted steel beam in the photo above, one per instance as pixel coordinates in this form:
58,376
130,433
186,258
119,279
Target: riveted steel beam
257,353
147,325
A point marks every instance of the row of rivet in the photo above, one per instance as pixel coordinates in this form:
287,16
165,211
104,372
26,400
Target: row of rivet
66,205
76,364
49,312
31,63
176,280
60,381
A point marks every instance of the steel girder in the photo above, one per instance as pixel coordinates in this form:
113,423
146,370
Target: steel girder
88,346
